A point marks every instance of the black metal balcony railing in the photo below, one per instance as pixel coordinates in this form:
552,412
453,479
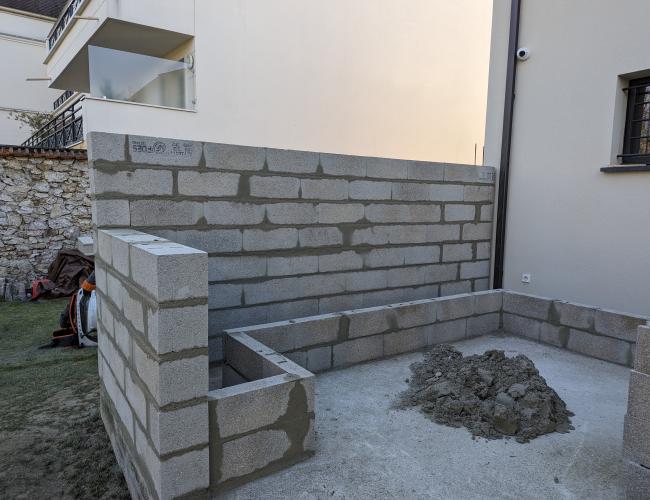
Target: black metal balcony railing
62,98
62,131
64,19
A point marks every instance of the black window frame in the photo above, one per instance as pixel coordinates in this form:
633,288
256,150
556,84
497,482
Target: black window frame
631,151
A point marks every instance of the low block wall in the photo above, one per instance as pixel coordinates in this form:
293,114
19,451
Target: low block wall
295,233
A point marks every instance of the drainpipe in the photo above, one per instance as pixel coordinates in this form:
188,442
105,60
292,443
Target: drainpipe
506,145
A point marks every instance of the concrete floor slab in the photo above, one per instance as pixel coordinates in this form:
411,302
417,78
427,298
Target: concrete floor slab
366,450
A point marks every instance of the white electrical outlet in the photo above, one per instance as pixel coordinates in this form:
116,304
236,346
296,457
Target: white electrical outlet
525,278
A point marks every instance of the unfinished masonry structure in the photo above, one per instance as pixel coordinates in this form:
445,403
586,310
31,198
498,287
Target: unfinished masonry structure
228,275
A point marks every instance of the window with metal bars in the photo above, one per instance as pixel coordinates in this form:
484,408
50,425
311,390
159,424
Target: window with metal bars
636,144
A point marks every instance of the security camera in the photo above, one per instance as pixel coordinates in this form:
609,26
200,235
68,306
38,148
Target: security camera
523,54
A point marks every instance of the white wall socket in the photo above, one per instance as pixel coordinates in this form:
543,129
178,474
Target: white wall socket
525,278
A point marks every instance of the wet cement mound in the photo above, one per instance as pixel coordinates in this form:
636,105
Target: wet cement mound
493,396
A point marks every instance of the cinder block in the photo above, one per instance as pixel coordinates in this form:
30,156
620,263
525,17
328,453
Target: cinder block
124,412
175,430
165,213
636,439
320,237
386,168
479,193
446,192
211,240
455,306
638,401
287,266
449,331
136,398
527,305
215,184
358,350
103,146
481,285
292,213
179,328
111,213
635,480
477,269
337,213
370,321
222,295
298,357
519,325
425,171
457,252
369,190
403,213
116,291
185,473
232,157
405,340
618,325
416,313
554,335
284,160
319,359
487,213
344,261
398,235
455,288
141,182
324,189
293,288
429,254
483,250
258,239
229,213
483,324
384,257
409,276
367,280
113,359
342,165
607,348
642,353
274,187
133,310
234,268
122,338
410,191
488,301
467,173
252,453
161,151
455,213
481,231
574,315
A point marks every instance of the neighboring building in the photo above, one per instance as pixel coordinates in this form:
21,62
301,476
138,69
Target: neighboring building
22,42
366,77
581,233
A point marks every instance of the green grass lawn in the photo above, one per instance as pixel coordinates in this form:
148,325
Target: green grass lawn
52,440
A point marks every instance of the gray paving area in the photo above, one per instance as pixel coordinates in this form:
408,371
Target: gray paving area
368,450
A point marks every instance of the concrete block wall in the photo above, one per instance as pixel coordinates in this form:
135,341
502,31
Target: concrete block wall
153,361
293,233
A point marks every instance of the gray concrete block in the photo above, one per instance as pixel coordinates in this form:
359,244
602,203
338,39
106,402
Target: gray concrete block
468,173
402,213
425,171
113,359
481,231
477,269
488,302
446,192
175,430
107,213
636,439
448,331
136,398
421,254
324,189
234,268
229,213
409,276
343,261
606,348
222,295
455,288
122,407
320,237
178,328
638,401
288,266
455,306
370,190
455,252
274,187
298,357
370,321
319,359
259,239
86,245
405,341
481,285
384,257
483,250
141,182
554,335
185,473
483,324
642,352
337,213
215,184
636,480
134,311
455,213
416,313
285,160
342,165
116,291
161,151
618,325
232,157
368,280
386,168
527,305
519,325
165,213
575,315
357,351
410,191
293,288
252,453
102,146
487,213
211,240
292,213
479,193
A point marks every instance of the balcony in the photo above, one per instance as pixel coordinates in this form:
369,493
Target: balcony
65,130
63,21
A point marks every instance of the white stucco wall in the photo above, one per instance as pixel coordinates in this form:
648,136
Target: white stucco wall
372,77
582,234
21,53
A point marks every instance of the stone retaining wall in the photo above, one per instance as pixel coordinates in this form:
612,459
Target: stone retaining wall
44,207
294,233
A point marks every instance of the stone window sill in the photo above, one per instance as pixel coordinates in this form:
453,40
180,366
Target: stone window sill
621,169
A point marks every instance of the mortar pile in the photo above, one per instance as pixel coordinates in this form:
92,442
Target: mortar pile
490,394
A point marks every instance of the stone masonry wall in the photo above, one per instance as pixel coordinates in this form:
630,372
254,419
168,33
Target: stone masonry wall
44,207
294,233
